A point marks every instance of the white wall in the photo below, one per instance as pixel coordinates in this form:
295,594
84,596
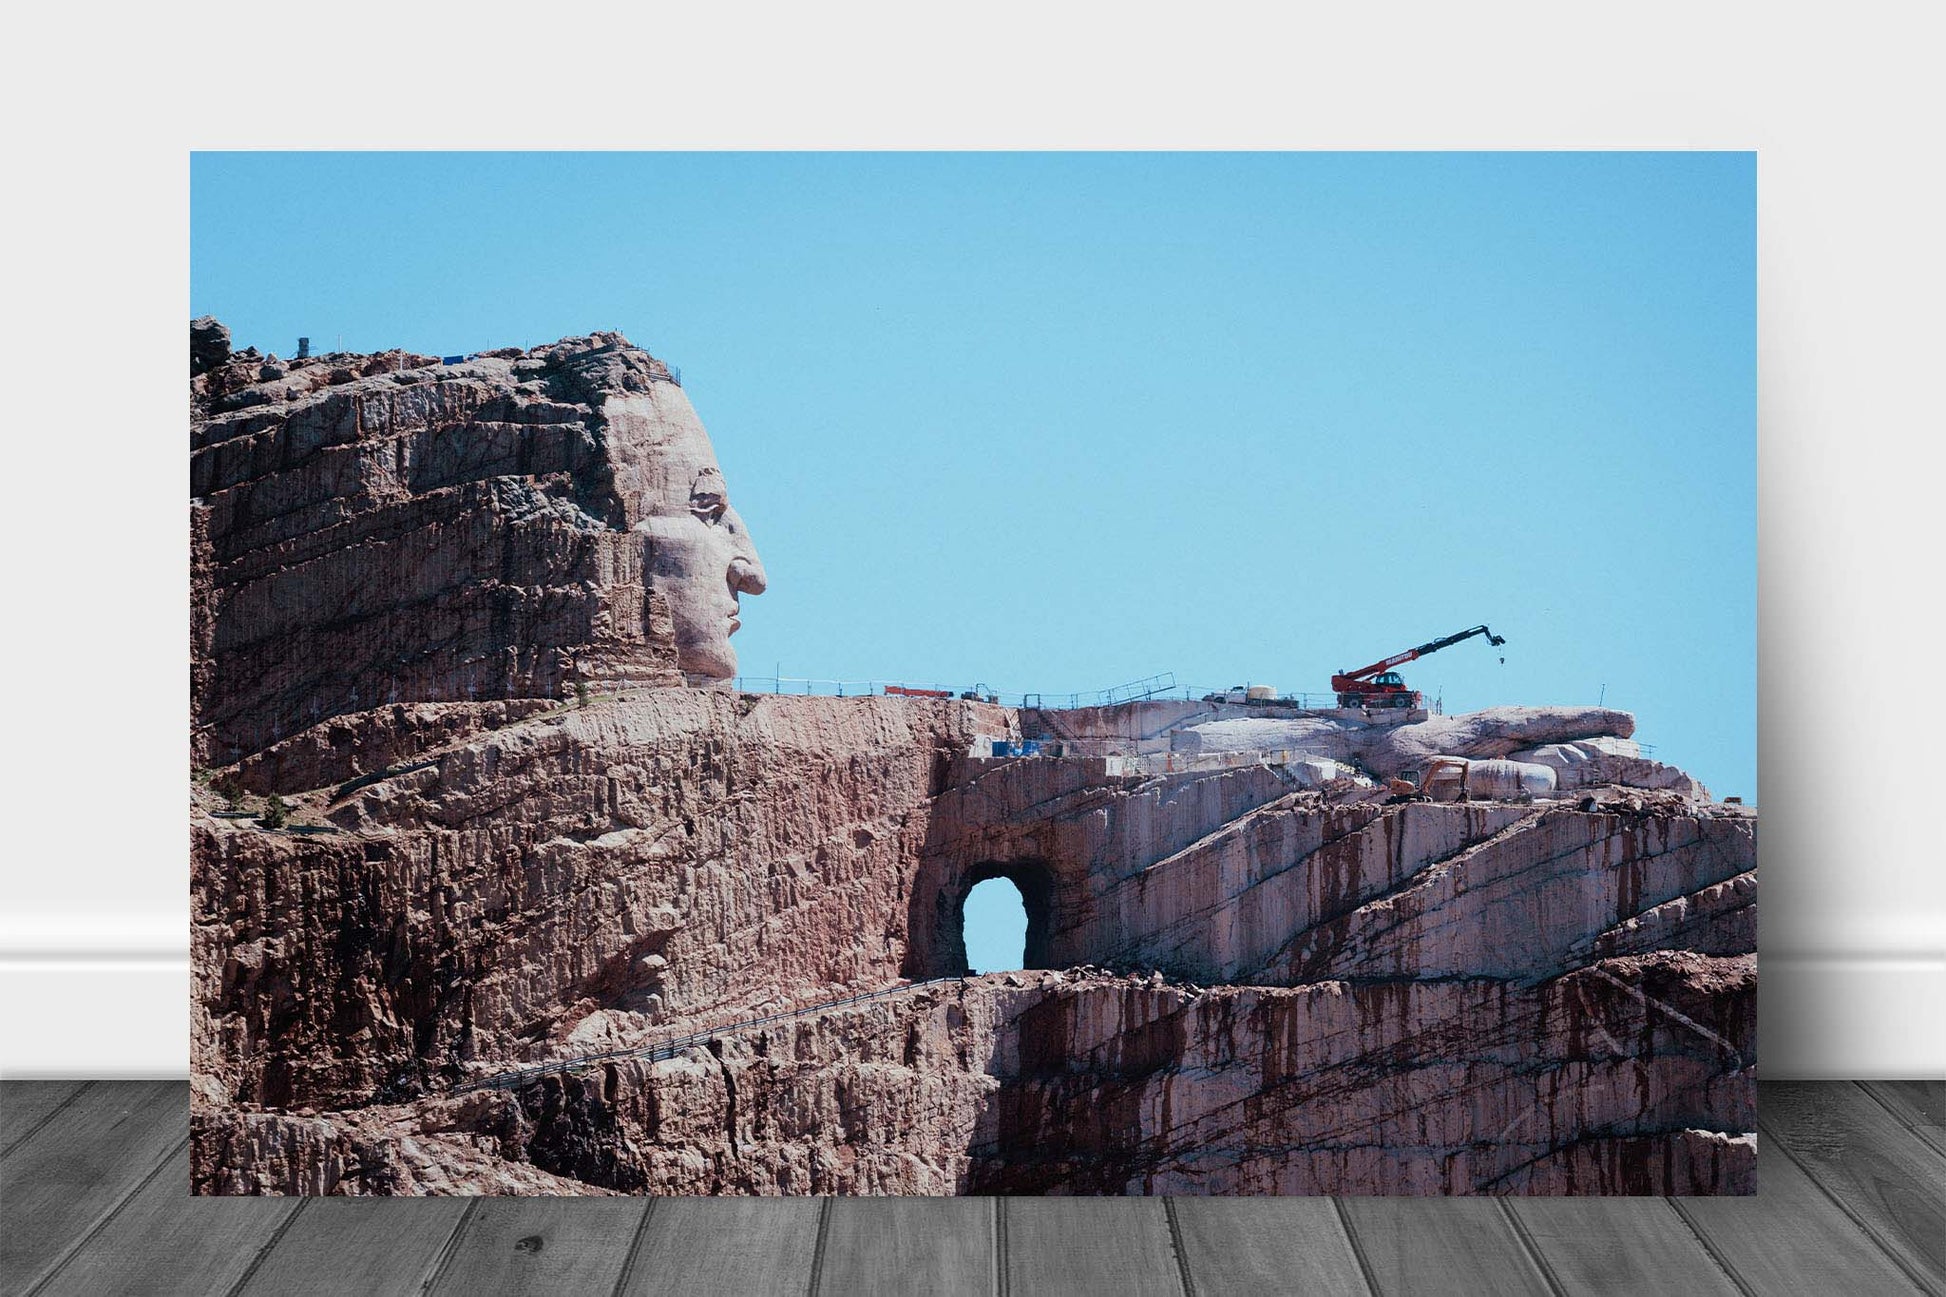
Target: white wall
93,976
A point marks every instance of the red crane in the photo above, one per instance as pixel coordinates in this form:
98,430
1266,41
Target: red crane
1379,686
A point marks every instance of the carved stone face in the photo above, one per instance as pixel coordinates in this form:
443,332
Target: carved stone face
701,557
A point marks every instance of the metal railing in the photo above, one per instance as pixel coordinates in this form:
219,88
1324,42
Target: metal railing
656,1051
1298,701
1163,687
672,374
1182,763
1160,687
815,688
1137,690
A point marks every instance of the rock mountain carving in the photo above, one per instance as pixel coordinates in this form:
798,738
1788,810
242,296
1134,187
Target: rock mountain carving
455,616
383,529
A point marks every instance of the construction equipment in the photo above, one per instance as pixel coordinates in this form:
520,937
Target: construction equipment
1402,788
1243,694
1021,747
1468,779
1443,770
1379,686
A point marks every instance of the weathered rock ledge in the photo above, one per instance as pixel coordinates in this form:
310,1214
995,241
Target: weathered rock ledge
1311,996
386,528
447,620
1089,1083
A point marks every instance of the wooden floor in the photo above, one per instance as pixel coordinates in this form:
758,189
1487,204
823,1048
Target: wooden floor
94,1197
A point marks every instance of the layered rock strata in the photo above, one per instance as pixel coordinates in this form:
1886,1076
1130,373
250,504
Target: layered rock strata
1285,985
377,529
1629,1076
542,917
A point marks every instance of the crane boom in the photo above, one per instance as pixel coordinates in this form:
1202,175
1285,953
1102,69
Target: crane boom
1358,689
1431,646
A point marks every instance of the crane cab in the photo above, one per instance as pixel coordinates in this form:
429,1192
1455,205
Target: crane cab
1379,686
1387,689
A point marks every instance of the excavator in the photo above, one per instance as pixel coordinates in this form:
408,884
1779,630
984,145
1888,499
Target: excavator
1379,686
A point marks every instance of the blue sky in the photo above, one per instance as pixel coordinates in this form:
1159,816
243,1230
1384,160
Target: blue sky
1056,421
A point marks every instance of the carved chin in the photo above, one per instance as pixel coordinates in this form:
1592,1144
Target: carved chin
714,660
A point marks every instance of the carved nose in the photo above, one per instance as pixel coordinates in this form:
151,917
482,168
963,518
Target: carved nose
747,576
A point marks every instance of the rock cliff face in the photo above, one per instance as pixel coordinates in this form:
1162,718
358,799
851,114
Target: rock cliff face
678,940
374,529
1288,994
677,855
1629,1076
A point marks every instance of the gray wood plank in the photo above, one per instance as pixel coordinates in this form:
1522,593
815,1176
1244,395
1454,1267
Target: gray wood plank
750,1246
543,1246
24,1105
371,1246
164,1240
1266,1245
66,1177
97,1202
1789,1238
1442,1245
1922,1102
1919,1105
1111,1247
942,1246
1618,1245
1871,1165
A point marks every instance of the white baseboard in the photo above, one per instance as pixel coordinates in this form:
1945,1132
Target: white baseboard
93,996
123,1019
1825,1016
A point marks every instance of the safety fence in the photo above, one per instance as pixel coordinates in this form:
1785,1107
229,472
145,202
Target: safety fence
671,374
1158,686
1162,687
1181,763
663,1049
1241,693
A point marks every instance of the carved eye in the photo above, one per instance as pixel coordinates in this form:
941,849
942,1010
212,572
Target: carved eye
710,506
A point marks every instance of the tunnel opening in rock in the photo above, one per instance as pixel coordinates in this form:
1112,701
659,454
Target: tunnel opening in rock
1001,918
993,922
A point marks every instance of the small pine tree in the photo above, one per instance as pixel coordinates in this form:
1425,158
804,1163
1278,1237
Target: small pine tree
581,693
275,812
